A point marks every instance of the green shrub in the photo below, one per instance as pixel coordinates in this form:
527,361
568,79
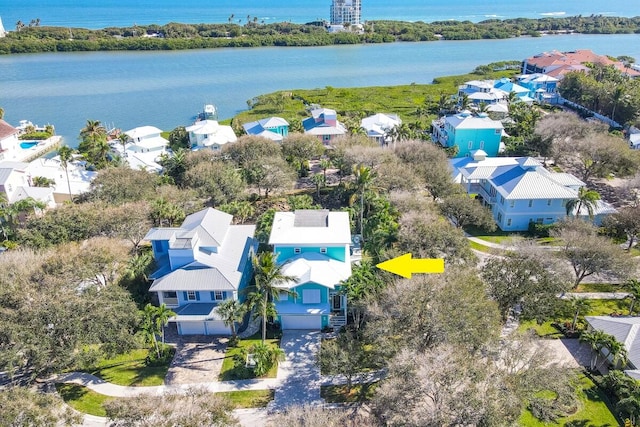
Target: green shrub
166,354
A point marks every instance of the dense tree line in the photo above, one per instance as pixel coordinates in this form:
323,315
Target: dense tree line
174,36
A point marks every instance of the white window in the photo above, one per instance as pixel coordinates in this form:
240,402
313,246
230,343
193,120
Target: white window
311,296
501,200
297,250
191,295
499,217
218,295
283,296
323,250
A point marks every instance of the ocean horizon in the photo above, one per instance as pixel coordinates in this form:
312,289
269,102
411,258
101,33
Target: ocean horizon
109,13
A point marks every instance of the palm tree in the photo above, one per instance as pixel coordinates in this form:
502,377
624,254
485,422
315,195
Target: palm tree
618,352
616,96
633,287
363,177
65,153
319,181
231,312
596,340
324,165
578,306
92,129
124,140
163,314
587,198
268,276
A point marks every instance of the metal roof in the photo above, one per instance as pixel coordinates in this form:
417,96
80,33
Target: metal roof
624,329
313,267
285,232
193,277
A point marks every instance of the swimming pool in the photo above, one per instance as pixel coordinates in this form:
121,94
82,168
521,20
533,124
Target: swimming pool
25,145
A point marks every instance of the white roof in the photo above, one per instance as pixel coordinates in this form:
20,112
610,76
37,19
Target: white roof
310,227
339,129
463,121
382,120
517,184
317,268
481,84
498,108
79,178
273,122
153,142
143,131
216,133
317,112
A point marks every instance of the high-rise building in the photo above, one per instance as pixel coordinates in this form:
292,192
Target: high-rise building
345,12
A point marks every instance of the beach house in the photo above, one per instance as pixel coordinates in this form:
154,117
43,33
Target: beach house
324,124
201,263
468,132
210,134
379,125
273,128
519,190
314,247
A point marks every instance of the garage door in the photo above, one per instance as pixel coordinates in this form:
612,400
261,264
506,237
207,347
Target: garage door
217,327
301,322
191,328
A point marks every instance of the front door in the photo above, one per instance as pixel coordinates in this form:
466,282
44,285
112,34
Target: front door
336,302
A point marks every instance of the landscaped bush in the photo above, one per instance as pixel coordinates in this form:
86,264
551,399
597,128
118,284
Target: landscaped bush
263,356
35,136
540,230
166,354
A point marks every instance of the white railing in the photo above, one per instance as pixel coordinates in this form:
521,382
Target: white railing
338,320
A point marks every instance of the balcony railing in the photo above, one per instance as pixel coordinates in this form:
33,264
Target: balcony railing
170,301
479,189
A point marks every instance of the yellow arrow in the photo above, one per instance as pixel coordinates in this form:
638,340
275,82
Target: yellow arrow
404,265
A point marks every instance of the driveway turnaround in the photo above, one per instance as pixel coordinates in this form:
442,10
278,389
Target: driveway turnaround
197,361
299,374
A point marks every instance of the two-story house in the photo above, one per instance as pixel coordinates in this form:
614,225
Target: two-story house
273,128
201,263
324,124
379,125
519,190
314,247
468,133
542,88
210,134
9,142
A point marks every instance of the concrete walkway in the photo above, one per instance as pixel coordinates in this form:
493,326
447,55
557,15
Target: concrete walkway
596,295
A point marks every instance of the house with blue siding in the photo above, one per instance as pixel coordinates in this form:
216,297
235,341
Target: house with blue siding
324,124
314,247
201,263
469,133
273,128
542,88
519,190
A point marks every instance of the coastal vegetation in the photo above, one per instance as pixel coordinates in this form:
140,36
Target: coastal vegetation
174,36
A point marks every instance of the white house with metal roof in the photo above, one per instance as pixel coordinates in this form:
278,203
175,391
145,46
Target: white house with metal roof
519,190
379,125
210,134
626,330
273,128
201,263
314,247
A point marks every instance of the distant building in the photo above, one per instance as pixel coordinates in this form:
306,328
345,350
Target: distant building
2,30
324,124
557,64
468,133
273,128
345,12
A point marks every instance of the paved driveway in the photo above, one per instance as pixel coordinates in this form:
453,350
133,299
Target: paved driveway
198,359
299,374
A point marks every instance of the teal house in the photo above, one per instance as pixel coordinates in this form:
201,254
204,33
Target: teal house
314,247
469,133
273,128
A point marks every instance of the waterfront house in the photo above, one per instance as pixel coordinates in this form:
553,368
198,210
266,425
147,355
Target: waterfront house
210,134
626,330
314,246
9,142
15,184
542,88
324,124
557,64
519,190
468,133
201,263
273,128
379,125
145,139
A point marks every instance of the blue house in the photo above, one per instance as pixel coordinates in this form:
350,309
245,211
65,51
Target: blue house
274,128
314,246
201,263
468,133
542,88
519,190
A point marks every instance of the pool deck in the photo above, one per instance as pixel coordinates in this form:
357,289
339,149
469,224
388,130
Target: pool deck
32,153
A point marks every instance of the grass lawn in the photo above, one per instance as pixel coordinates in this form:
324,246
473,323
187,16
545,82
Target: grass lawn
248,398
544,330
598,287
594,410
603,307
130,369
496,236
340,393
229,372
87,401
482,248
82,399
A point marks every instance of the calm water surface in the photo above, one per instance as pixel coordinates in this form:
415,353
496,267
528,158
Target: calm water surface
166,89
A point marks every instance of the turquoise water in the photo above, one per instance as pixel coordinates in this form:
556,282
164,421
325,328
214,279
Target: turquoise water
166,89
25,145
103,13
